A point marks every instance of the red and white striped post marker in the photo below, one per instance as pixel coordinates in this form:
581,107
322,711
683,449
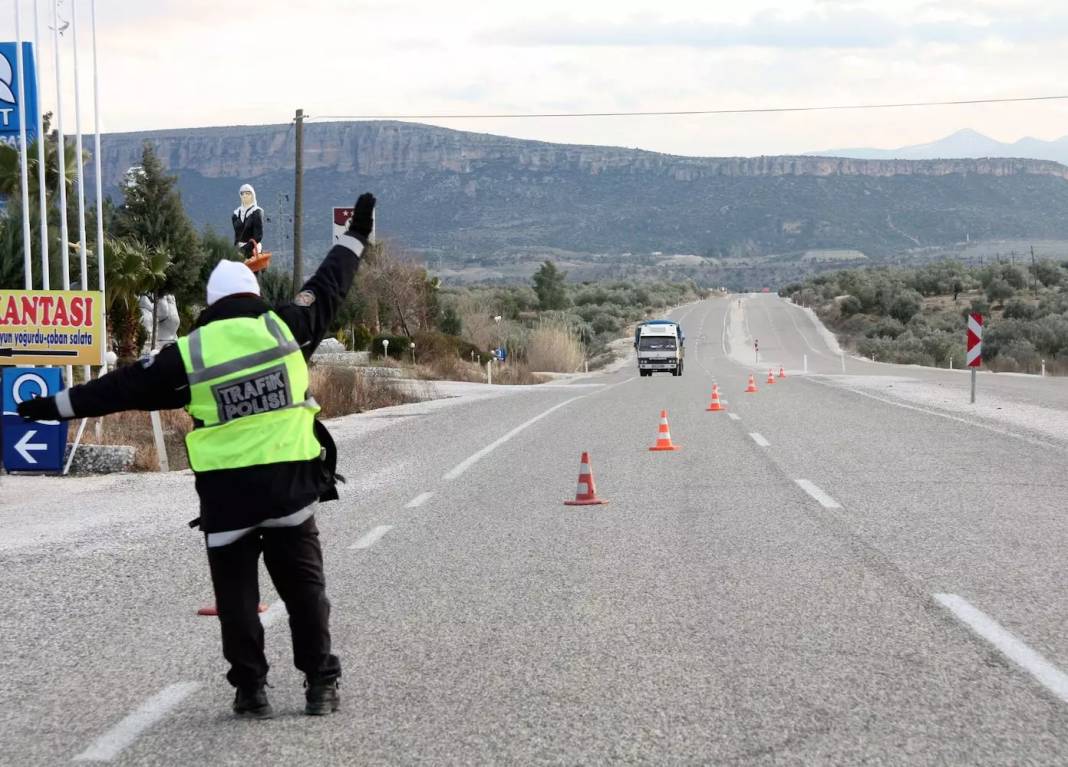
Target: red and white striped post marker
975,346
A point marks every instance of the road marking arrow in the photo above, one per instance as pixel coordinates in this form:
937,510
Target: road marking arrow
24,446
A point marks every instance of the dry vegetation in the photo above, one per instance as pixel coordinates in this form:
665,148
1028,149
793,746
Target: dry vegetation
554,347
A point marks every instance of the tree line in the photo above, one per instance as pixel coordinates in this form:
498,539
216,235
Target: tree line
916,315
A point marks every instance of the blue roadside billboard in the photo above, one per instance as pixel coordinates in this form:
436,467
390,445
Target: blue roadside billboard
9,90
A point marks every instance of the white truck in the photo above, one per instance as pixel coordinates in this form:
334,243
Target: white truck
660,347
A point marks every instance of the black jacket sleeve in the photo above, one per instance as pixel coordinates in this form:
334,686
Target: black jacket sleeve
315,308
155,383
254,230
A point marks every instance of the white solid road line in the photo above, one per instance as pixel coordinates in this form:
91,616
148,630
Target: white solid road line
111,743
418,501
467,463
824,500
372,537
273,614
939,414
1048,675
759,439
734,416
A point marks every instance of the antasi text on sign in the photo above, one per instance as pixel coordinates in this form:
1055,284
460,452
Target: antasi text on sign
40,327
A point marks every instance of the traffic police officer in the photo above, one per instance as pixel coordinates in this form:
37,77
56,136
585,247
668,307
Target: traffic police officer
261,459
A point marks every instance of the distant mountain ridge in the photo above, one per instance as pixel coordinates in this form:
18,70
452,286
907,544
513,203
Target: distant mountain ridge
965,143
467,199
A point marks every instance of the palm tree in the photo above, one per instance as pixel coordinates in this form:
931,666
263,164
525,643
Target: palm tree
132,269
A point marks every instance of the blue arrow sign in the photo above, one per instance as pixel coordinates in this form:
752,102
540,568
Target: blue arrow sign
31,445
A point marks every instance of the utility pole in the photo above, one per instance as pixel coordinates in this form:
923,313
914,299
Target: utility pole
298,204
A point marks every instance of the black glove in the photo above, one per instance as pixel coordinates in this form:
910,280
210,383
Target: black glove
39,409
363,217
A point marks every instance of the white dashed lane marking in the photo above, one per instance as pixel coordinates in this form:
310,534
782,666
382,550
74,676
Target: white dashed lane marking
419,500
1048,675
759,439
467,463
824,500
114,741
372,537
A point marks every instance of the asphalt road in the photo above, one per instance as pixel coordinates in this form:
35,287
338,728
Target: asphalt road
815,577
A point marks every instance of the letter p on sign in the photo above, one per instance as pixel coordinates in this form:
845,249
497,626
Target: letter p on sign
975,340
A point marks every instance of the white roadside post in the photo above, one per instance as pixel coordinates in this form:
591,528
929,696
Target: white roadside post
99,194
61,161
24,176
805,358
157,437
412,347
975,346
489,371
385,348
42,187
1043,368
79,173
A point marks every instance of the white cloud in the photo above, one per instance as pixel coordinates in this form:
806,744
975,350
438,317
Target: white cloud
189,63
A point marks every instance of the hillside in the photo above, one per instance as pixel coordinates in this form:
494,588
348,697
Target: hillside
470,200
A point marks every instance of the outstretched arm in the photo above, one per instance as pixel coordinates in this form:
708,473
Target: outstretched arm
315,308
155,383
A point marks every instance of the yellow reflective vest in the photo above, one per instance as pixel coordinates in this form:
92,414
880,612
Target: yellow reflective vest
249,396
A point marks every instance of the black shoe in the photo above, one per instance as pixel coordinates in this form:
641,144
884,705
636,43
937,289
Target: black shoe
322,697
252,703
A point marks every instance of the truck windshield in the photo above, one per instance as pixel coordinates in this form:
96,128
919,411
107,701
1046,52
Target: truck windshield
656,344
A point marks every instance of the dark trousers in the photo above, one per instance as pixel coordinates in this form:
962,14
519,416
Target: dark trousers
295,563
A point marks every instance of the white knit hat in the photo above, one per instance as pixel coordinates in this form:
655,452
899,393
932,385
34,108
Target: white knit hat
230,277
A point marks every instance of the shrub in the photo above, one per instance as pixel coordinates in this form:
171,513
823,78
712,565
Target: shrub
361,338
1019,310
431,346
905,305
398,346
886,328
850,305
999,290
343,390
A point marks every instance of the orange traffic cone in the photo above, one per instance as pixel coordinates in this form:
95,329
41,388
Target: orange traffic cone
663,438
586,494
782,373
751,388
771,377
213,610
715,406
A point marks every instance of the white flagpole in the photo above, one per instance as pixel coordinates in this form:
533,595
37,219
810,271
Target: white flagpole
24,177
42,187
99,188
61,158
79,173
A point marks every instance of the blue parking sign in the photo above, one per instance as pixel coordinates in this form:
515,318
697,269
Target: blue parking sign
9,90
31,445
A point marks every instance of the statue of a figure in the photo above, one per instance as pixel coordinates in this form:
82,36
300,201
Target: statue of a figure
167,321
248,222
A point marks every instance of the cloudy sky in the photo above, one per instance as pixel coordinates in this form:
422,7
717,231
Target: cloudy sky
187,63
